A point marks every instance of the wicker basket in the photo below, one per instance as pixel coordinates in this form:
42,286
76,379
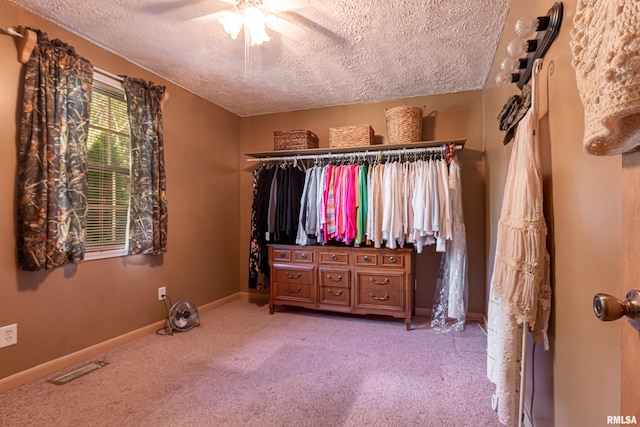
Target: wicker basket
351,136
294,140
404,124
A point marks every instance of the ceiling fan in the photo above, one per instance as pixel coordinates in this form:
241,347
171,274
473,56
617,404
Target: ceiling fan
254,16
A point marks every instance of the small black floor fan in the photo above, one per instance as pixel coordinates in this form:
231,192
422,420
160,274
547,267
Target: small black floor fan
181,316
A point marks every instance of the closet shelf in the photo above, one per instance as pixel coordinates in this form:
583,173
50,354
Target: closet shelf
363,149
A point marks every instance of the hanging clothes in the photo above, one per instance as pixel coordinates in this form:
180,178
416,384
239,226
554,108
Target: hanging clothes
450,299
258,250
520,289
382,204
290,183
372,203
302,238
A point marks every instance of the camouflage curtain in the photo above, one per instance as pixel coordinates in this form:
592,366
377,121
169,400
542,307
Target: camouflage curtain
52,166
148,225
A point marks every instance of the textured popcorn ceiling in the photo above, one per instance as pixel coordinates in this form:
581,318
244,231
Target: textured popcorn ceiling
352,51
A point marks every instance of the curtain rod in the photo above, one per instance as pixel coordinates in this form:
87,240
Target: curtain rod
108,74
11,31
354,154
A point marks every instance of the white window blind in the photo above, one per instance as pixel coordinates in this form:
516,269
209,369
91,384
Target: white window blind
108,158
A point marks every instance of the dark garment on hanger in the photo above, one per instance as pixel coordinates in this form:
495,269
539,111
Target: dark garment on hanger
261,198
290,186
259,272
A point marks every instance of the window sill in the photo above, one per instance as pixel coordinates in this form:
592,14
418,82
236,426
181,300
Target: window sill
90,256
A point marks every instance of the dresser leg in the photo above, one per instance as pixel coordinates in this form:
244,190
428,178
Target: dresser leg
271,307
408,322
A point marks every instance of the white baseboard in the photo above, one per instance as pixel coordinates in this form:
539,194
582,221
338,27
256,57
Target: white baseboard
55,365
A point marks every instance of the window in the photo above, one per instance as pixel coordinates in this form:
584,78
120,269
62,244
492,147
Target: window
108,158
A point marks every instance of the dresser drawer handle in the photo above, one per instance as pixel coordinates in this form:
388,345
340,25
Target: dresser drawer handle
366,258
384,282
334,257
392,260
374,297
303,256
292,291
334,293
292,276
282,254
337,279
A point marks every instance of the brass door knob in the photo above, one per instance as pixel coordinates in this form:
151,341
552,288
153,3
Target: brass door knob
607,307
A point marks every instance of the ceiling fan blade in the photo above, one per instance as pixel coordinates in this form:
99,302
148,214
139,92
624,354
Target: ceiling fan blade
284,27
284,5
216,16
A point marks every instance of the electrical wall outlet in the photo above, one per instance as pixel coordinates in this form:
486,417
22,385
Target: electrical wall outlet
162,293
8,335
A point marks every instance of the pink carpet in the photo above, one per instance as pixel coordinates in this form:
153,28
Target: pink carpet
244,367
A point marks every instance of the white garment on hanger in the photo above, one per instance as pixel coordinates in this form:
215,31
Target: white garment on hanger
418,202
456,278
520,280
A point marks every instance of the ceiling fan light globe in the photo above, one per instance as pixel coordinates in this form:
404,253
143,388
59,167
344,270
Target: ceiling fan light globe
232,24
254,23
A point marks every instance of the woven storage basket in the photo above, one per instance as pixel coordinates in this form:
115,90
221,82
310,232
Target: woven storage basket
350,136
294,139
404,124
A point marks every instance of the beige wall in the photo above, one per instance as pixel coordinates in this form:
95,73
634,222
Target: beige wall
209,182
458,116
73,307
578,382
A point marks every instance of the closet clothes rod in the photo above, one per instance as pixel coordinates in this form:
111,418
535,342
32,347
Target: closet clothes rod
358,154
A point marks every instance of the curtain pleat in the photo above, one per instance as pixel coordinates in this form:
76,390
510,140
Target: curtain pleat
52,166
149,220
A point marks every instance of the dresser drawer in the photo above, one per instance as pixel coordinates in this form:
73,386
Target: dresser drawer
379,281
335,277
281,255
392,261
379,298
337,257
365,259
293,292
295,275
335,296
303,257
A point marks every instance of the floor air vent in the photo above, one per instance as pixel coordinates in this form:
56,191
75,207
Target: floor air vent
76,373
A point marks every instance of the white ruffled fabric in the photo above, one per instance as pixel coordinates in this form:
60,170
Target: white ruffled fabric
605,43
520,286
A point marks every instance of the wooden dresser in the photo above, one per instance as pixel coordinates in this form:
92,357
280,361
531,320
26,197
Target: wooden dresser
349,280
